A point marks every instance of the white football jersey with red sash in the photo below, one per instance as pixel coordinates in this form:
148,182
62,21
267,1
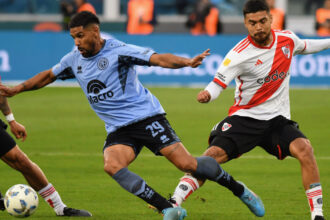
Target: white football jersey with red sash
261,75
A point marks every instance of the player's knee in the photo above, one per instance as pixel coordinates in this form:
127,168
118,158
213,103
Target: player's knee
307,152
304,151
112,167
217,153
109,169
208,168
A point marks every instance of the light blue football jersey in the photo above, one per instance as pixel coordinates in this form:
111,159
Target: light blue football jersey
110,83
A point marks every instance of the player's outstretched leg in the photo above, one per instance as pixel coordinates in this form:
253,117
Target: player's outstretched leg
252,201
2,204
208,168
176,213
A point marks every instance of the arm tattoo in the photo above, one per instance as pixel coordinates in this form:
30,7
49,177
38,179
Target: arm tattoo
176,65
25,88
4,107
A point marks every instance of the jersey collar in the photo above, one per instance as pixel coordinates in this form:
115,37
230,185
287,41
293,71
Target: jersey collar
268,47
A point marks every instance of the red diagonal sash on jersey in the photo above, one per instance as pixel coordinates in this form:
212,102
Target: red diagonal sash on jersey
281,66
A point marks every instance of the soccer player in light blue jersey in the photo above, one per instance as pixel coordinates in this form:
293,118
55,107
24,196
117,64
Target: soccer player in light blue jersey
133,116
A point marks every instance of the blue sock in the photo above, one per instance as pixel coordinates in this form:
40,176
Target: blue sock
137,186
208,168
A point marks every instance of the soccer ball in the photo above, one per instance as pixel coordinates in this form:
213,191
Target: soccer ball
21,201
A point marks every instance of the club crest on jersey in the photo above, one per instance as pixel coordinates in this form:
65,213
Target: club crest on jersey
226,126
102,63
286,51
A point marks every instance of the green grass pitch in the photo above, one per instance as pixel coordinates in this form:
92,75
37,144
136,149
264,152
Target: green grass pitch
65,138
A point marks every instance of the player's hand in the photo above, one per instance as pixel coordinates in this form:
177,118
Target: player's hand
18,130
203,96
7,91
197,60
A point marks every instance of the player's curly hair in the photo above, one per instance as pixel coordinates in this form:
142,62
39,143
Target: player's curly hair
253,6
83,18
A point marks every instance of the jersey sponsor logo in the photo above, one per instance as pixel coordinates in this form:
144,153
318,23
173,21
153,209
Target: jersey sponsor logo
95,87
226,62
286,51
259,62
226,126
103,63
273,77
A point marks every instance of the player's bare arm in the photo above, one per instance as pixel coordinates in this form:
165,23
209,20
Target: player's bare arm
4,106
16,128
172,61
36,82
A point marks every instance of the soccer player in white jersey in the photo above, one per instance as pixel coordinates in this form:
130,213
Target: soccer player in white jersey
11,154
133,116
260,116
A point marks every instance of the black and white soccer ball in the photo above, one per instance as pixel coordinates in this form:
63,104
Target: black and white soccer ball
21,201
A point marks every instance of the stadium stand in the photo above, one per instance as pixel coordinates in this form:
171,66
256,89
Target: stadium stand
24,14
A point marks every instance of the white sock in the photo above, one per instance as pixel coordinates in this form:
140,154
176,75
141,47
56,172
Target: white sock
52,197
314,196
187,185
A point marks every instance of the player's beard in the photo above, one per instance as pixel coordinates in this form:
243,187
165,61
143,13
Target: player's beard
88,52
261,38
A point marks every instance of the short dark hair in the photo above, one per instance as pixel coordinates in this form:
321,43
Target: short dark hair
253,6
83,18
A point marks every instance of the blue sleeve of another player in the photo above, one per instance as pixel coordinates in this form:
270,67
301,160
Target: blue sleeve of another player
134,55
63,69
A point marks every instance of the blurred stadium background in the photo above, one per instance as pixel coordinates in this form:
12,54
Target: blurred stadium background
23,14
18,39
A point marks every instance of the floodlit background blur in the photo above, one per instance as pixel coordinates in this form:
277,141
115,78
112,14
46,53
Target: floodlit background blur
171,14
